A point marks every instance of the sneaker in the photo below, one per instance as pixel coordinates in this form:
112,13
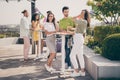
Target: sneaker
43,60
69,68
47,68
37,58
75,74
52,69
82,73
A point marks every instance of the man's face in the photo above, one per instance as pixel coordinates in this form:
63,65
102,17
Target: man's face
26,14
66,13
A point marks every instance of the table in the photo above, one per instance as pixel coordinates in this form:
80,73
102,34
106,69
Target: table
63,52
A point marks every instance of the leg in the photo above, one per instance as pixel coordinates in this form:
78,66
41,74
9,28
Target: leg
81,59
26,47
50,59
42,45
67,50
37,42
73,58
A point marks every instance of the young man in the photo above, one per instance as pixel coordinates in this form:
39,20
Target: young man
64,24
24,32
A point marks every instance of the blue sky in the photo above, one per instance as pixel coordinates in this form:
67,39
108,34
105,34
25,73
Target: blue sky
10,13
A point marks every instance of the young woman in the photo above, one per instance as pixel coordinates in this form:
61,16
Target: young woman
77,50
50,28
36,27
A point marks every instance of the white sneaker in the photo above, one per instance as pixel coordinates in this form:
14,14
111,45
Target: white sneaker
47,68
75,74
52,69
37,58
69,68
43,60
82,73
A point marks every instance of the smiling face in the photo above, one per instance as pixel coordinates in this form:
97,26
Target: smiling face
37,17
82,14
50,17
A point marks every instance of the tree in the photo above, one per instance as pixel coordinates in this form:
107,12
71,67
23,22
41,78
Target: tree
104,9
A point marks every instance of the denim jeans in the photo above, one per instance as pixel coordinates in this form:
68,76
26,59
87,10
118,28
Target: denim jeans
68,49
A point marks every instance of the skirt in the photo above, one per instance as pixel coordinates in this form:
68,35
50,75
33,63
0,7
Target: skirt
50,42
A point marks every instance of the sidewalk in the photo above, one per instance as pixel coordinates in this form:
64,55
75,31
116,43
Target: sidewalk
12,68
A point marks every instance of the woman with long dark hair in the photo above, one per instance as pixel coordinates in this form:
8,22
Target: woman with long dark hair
36,27
82,22
50,28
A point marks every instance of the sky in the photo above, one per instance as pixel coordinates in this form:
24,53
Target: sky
10,13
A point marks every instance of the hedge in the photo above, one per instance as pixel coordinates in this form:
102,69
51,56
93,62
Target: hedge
101,32
111,47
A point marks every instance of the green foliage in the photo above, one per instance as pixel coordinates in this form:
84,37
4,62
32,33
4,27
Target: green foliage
2,35
105,8
97,49
101,32
111,47
90,42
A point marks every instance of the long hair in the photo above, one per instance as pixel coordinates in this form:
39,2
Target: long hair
34,17
86,16
53,21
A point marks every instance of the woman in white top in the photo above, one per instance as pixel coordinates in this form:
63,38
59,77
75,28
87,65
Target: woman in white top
24,32
78,38
50,28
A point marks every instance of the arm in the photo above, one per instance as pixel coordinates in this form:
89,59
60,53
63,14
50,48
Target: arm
33,25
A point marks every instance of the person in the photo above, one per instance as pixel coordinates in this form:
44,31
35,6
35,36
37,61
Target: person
64,24
25,33
44,56
50,28
78,38
36,34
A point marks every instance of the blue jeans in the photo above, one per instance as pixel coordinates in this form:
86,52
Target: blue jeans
67,50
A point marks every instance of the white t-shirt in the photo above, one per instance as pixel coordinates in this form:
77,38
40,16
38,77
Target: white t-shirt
49,27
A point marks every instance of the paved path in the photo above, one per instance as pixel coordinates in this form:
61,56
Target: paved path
12,68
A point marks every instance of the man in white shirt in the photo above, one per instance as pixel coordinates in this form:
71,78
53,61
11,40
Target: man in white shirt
24,33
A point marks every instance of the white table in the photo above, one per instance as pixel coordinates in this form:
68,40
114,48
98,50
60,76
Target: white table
62,52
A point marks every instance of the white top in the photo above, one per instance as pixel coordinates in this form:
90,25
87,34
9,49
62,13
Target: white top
24,27
49,27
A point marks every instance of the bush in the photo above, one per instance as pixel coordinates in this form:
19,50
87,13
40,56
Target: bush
97,50
2,35
101,32
90,42
111,47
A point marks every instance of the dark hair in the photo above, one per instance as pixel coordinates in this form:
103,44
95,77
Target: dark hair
49,12
24,11
86,16
53,21
65,8
34,17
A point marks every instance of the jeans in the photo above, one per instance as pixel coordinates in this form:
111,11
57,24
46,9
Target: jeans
68,49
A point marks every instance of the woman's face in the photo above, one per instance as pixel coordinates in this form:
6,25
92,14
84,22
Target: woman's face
50,17
82,14
37,17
